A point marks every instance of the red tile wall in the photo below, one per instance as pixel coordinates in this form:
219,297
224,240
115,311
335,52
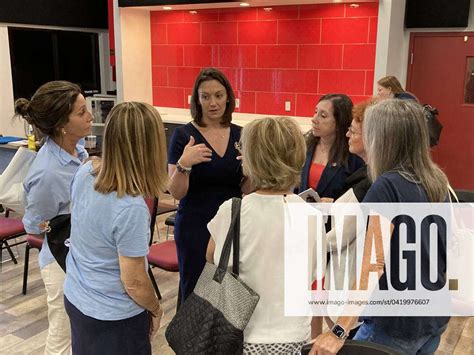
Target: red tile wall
292,53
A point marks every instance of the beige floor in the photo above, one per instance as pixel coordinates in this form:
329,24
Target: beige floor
23,319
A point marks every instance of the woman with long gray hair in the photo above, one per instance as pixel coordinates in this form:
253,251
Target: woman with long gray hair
400,166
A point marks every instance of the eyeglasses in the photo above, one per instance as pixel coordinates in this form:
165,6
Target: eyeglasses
352,132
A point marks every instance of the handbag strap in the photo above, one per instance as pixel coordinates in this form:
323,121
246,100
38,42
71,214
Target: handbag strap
233,236
451,190
236,204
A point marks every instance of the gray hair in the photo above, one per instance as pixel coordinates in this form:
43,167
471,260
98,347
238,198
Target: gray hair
396,139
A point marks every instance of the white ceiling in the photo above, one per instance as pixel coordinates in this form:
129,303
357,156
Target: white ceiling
253,3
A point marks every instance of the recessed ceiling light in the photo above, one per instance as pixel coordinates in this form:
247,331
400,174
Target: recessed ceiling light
354,6
244,4
193,12
167,8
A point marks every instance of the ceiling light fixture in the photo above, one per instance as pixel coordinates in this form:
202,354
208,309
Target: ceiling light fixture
267,9
244,4
167,8
193,12
354,6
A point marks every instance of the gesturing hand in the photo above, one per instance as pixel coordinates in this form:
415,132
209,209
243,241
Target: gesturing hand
195,154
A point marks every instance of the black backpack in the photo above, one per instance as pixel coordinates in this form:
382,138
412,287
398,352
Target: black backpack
434,126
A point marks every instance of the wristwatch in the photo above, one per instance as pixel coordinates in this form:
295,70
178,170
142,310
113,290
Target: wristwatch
182,169
340,332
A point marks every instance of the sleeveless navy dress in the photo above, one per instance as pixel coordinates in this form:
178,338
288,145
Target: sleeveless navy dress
210,184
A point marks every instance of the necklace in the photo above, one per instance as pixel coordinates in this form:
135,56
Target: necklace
209,131
218,133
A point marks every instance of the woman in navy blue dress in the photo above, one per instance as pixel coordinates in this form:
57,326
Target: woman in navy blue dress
204,170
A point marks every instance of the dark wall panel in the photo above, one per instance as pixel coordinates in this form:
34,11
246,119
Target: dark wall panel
436,13
58,55
68,13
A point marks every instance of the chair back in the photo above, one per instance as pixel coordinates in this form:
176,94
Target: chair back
152,203
34,241
465,195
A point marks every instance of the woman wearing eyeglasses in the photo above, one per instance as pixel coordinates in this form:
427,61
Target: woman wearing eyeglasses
328,161
356,186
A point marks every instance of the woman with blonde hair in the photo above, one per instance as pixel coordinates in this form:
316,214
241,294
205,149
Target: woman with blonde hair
273,154
109,297
400,166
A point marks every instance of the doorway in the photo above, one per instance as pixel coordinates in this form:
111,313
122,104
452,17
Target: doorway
441,73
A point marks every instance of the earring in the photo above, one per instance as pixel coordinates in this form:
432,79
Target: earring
64,131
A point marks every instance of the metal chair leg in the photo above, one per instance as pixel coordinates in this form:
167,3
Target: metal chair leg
10,251
25,269
4,245
153,281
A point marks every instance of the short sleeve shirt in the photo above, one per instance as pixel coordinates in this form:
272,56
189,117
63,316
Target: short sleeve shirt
103,226
47,189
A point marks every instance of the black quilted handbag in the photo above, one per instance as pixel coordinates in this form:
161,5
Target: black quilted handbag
57,233
213,318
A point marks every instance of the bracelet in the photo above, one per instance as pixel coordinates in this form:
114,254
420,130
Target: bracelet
182,169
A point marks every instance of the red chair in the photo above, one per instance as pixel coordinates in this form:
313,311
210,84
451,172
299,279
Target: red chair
161,255
10,228
32,242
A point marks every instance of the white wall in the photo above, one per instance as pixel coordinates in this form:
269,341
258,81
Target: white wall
393,41
133,54
9,127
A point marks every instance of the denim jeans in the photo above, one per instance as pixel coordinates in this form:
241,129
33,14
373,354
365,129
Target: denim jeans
424,345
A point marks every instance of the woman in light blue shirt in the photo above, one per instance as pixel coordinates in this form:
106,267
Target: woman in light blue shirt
58,110
109,297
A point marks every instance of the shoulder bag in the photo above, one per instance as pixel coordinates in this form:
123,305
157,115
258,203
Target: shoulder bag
214,316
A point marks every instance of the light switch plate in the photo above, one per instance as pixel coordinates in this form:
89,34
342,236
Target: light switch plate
189,99
237,103
287,105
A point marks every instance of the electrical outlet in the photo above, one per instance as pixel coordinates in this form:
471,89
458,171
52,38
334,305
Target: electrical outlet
189,99
237,103
287,106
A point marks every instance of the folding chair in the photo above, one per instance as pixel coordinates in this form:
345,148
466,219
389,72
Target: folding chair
10,228
161,255
32,242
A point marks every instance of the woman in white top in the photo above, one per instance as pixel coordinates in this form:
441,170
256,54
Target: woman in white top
273,154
